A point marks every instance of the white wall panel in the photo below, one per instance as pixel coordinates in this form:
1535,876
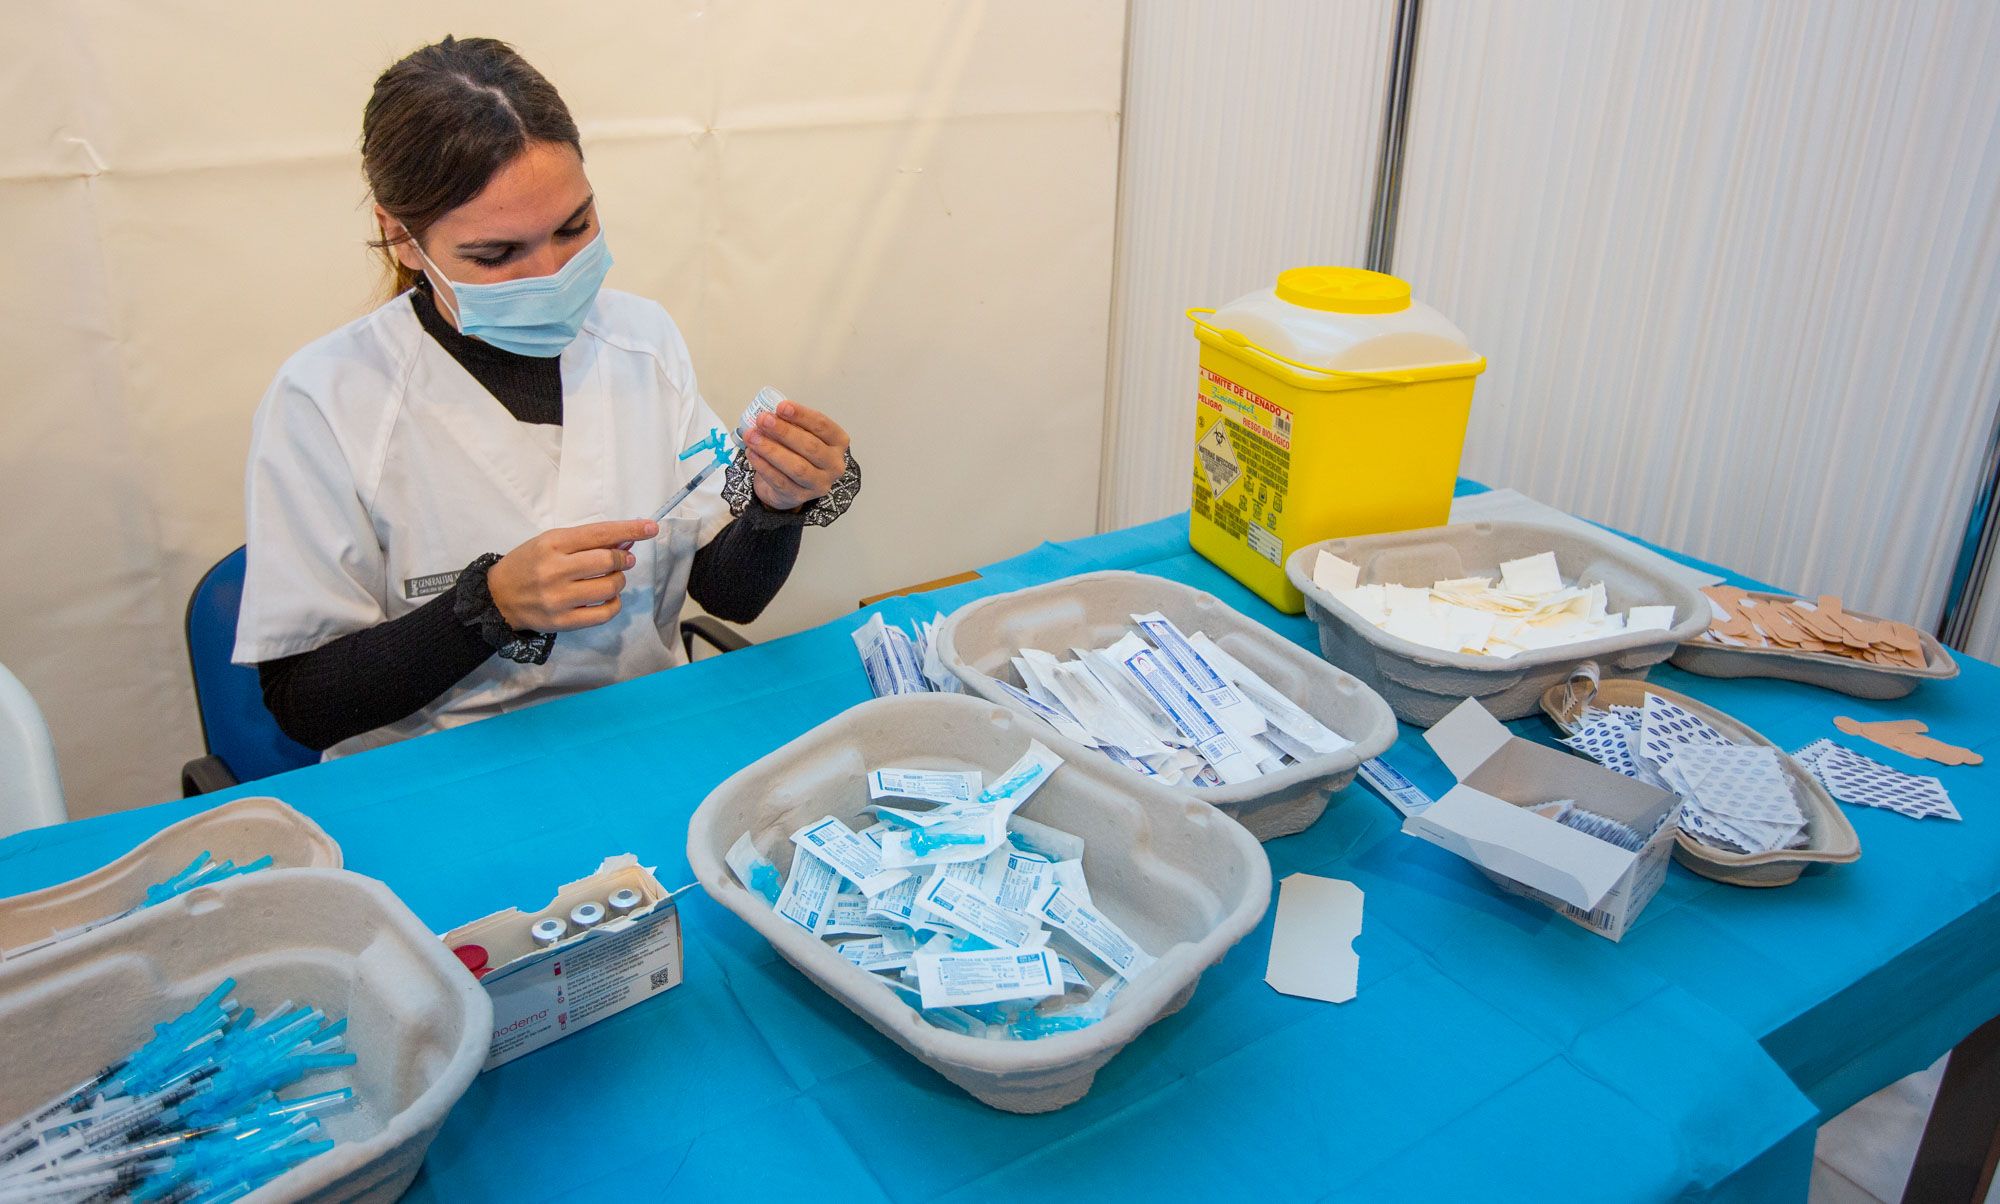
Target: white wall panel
1736,269
898,210
1249,146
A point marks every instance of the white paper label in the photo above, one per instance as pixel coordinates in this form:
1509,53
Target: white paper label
848,915
950,979
1023,879
929,785
890,951
897,903
858,860
1402,794
952,900
1218,747
808,890
1094,931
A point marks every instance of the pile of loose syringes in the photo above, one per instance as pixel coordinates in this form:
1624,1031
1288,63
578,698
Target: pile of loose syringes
204,870
1171,706
191,1117
978,918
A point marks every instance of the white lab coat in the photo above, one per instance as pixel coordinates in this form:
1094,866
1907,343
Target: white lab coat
379,468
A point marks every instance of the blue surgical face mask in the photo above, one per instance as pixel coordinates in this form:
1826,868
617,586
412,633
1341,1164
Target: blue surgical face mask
535,315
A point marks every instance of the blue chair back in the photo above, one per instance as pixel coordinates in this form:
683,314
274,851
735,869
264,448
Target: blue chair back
235,725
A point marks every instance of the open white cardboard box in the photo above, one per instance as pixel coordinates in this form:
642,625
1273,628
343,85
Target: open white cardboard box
1486,819
541,995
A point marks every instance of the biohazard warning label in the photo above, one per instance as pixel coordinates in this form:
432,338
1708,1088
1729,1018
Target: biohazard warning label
1218,459
1242,440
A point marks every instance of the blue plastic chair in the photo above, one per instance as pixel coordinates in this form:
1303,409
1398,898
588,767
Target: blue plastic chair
243,741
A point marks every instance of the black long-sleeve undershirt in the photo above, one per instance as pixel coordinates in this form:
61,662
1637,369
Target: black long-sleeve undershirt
381,674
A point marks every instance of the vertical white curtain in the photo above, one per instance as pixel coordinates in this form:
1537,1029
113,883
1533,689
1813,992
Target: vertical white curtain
1249,147
899,210
1735,267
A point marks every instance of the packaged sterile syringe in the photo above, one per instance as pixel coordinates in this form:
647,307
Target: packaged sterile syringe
591,952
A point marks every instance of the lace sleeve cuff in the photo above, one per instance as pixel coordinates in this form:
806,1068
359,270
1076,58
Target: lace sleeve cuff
739,481
472,604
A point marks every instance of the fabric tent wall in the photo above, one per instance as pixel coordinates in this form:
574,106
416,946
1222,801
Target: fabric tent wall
899,211
1250,135
1735,267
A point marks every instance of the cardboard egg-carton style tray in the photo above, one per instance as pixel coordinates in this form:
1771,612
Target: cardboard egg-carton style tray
979,640
1894,674
1182,879
241,831
1830,839
417,1022
1423,684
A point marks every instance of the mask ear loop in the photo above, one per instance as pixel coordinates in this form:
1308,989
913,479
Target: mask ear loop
440,283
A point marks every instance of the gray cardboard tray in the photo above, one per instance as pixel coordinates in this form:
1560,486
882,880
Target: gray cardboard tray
1186,882
335,940
1857,678
1830,838
978,641
1423,684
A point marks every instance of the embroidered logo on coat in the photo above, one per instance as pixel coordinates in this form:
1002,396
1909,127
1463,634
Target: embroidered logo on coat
424,587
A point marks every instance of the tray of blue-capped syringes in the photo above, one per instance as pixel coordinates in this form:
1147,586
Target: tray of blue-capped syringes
224,1012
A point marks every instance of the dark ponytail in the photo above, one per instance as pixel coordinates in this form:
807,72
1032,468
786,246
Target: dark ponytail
442,121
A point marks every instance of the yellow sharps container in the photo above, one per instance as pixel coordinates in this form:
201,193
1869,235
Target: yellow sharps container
1328,405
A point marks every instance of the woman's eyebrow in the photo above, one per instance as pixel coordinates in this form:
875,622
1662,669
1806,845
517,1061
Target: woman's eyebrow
506,244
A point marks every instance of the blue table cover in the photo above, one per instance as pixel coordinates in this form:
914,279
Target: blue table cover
1495,1049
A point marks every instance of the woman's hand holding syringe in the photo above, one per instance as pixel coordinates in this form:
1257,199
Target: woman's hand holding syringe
796,454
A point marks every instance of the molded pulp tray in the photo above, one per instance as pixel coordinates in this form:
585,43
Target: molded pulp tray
1830,838
243,831
1185,881
419,1023
1424,683
1857,678
978,641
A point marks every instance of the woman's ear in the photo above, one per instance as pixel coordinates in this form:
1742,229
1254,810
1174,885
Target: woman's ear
399,239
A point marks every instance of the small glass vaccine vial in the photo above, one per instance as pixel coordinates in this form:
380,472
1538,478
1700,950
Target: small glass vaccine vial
548,932
766,402
623,900
586,915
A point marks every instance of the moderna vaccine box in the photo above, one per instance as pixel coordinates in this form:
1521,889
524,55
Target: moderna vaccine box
543,992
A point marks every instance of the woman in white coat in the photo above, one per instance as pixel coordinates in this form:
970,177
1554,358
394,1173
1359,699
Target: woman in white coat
447,499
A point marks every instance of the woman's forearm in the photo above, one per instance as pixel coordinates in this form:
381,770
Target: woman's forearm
373,677
381,674
736,574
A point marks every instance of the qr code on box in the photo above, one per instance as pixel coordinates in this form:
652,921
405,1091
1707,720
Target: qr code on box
663,978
